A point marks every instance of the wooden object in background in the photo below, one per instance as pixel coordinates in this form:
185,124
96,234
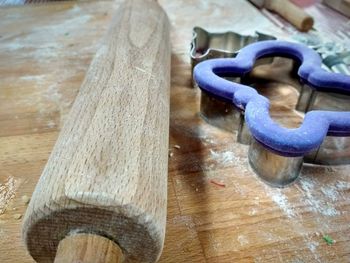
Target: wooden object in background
107,174
289,11
342,6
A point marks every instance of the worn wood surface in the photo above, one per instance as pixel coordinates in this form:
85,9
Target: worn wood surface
44,56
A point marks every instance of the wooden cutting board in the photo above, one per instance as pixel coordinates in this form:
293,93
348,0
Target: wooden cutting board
44,53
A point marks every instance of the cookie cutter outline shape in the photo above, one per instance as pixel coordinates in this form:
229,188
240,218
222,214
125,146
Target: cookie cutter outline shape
273,145
221,45
206,45
227,44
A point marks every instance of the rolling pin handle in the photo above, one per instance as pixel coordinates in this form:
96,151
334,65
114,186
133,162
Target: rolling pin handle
88,248
292,13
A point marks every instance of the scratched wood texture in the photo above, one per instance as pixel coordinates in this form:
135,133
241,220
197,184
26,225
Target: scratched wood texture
44,53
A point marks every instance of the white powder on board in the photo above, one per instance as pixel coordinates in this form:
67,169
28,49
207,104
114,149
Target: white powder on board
50,43
187,222
331,192
7,192
50,124
315,203
282,201
183,220
226,157
34,78
312,246
229,157
252,212
53,94
39,35
342,185
242,240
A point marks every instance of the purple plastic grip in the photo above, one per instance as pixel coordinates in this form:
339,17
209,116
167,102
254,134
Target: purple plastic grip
284,141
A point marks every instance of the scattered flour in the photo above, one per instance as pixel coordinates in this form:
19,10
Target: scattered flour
35,78
183,220
315,203
281,200
216,245
252,212
239,188
312,245
42,45
50,124
330,192
40,34
186,221
204,132
227,157
53,94
268,236
342,185
242,240
7,192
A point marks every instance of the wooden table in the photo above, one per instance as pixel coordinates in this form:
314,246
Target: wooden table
44,53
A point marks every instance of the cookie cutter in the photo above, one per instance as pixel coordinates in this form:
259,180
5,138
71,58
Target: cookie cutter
206,45
277,153
223,114
334,150
333,58
336,63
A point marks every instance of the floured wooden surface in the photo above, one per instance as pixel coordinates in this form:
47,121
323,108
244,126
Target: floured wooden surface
44,53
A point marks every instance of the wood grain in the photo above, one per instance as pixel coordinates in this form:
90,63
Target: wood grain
107,173
88,249
43,60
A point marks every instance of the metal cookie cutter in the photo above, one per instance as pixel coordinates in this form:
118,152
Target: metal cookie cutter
206,45
334,150
276,153
334,57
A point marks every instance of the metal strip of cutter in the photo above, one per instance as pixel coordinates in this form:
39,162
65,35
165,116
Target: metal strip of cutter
206,45
277,153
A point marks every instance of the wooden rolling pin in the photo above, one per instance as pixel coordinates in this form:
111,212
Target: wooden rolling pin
102,196
289,11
